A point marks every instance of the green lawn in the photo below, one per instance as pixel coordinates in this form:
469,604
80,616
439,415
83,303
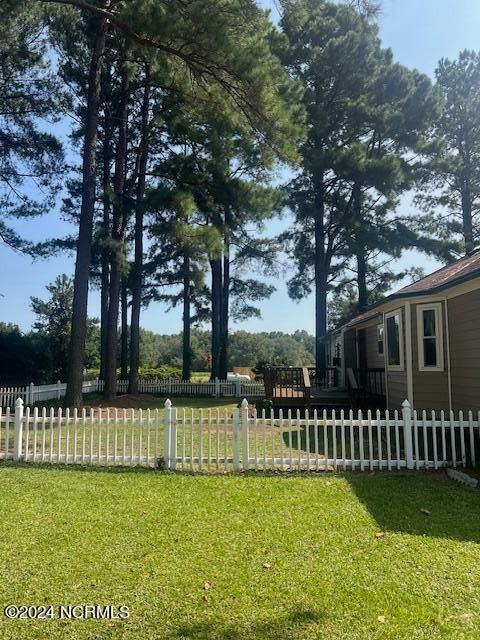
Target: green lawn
284,557
145,401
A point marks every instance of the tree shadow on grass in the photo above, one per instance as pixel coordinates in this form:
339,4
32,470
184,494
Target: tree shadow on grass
290,627
421,503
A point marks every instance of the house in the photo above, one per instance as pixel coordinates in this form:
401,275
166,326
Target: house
421,343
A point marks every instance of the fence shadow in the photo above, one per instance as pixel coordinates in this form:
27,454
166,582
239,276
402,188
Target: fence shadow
422,503
289,627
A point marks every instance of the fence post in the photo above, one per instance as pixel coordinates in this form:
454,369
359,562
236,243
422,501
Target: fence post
167,434
18,434
217,387
238,388
235,427
245,449
407,433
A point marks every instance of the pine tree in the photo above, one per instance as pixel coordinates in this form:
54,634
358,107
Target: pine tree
449,184
330,49
30,157
227,63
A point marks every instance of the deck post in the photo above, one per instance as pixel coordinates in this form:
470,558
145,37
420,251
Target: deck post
407,433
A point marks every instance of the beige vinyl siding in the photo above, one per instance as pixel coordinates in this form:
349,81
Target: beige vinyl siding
430,388
374,361
397,380
464,329
350,349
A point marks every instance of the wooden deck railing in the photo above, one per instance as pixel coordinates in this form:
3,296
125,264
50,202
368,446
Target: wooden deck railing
296,382
366,387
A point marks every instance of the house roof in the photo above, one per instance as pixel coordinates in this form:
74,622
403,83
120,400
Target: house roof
466,267
459,271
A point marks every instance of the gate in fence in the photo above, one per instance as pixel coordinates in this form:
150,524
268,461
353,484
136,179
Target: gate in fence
242,439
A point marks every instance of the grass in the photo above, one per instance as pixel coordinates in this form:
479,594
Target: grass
284,557
144,401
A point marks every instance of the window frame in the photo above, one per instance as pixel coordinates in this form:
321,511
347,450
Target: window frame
401,345
436,307
381,339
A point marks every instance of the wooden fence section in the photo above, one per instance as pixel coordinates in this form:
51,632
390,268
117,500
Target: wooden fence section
32,394
243,439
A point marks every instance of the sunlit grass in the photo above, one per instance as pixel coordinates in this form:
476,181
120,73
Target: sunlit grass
241,557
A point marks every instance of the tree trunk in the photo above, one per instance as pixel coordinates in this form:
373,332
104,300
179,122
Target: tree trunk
223,365
186,348
362,279
105,261
124,345
321,275
137,275
118,232
360,253
216,268
467,218
84,243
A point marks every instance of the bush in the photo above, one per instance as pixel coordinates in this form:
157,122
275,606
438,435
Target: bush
164,372
145,373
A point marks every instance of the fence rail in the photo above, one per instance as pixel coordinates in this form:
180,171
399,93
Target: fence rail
232,440
32,394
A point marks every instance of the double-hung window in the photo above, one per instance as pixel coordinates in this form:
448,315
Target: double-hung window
430,337
394,335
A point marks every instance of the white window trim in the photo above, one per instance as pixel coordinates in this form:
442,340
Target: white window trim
380,326
401,366
437,308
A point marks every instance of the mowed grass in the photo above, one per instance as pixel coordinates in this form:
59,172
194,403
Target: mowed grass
241,557
144,401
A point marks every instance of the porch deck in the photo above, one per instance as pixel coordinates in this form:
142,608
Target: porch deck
305,388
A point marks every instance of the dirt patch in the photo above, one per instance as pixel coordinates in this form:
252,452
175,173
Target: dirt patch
126,401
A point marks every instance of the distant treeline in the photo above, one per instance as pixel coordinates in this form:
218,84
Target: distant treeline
245,349
34,356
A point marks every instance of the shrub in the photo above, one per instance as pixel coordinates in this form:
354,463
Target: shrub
163,372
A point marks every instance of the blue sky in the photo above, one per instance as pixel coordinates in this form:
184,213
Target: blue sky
418,31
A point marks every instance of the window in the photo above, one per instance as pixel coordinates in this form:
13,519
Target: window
430,337
394,330
380,339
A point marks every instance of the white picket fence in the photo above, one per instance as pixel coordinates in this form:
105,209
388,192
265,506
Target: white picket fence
32,394
242,439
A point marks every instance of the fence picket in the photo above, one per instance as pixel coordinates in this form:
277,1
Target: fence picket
452,439
44,420
352,440
472,439
425,441
444,439
325,439
334,440
115,436
91,434
35,423
27,431
434,440
132,435
462,439
67,431
360,441
280,427
370,439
